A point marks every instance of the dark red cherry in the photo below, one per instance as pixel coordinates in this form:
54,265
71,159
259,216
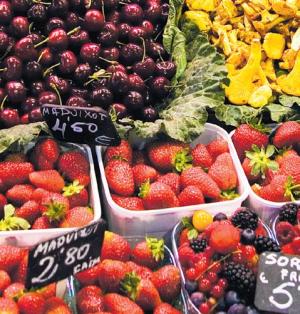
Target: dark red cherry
102,97
110,54
54,23
20,6
144,68
4,41
68,62
82,73
35,115
5,12
80,92
164,12
150,114
2,94
153,12
165,68
116,67
58,39
37,13
37,88
93,20
57,84
33,71
119,82
72,21
132,13
24,119
109,34
24,49
58,8
90,53
13,68
160,86
155,50
148,27
119,110
114,17
46,57
35,37
137,34
124,30
48,98
29,104
131,53
19,26
79,38
110,4
76,101
133,101
9,117
16,91
136,83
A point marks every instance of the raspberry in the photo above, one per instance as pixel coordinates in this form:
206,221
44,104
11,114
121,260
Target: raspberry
285,232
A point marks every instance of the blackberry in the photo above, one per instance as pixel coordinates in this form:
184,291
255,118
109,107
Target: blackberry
263,244
288,212
198,245
240,278
245,219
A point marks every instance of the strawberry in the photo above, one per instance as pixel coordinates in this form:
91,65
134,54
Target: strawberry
88,276
196,176
149,253
115,247
167,282
74,166
118,304
12,173
142,271
158,195
55,207
223,172
191,195
29,211
110,274
119,177
47,291
49,180
245,136
139,157
20,194
186,254
123,151
217,147
172,180
3,202
31,302
131,203
42,223
38,194
16,157
162,154
14,290
291,166
287,134
8,306
143,173
76,194
248,170
201,156
90,299
166,308
184,236
77,217
12,222
20,273
5,280
141,291
55,305
10,257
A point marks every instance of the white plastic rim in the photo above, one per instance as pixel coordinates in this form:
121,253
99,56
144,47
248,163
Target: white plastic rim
30,238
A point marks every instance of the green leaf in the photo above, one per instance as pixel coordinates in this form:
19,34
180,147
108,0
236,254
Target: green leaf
280,113
289,101
10,222
192,234
186,221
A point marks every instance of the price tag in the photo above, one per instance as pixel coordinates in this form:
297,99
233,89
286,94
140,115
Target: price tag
81,125
65,255
278,283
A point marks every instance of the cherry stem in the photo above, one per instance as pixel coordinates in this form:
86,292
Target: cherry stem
4,69
30,27
95,76
6,52
89,4
158,35
57,93
103,10
74,30
3,101
108,61
41,56
160,57
118,42
144,48
50,69
41,2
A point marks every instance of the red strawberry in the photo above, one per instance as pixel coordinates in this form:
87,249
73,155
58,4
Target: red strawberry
20,274
8,306
115,247
191,195
38,194
167,282
149,253
141,291
47,291
49,180
31,302
123,151
12,173
287,134
42,223
172,180
20,194
143,173
90,299
248,170
55,305
158,195
141,271
223,172
162,154
285,154
77,217
139,157
110,274
88,276
291,166
14,290
118,304
5,280
166,308
119,177
76,194
217,147
55,207
3,202
10,257
245,136
186,255
201,157
16,157
196,176
184,236
131,203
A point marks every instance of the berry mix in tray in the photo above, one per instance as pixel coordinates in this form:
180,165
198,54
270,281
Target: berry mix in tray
45,187
219,257
287,228
14,298
170,174
130,280
271,163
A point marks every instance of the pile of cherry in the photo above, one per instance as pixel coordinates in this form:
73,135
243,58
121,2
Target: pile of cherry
104,53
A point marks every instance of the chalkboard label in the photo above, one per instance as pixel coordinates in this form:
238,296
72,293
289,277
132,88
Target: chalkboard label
81,125
65,255
278,283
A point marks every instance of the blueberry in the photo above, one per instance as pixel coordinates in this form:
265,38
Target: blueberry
191,286
252,310
247,236
221,305
231,297
237,308
219,217
198,298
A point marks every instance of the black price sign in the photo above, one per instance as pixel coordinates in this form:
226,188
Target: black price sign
278,283
81,125
65,255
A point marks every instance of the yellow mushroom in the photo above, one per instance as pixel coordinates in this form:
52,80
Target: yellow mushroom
268,67
274,45
260,96
205,5
200,18
283,7
288,57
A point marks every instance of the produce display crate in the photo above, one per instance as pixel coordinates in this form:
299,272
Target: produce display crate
158,222
29,238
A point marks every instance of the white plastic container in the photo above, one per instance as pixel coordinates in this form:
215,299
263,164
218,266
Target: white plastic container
264,208
29,238
158,222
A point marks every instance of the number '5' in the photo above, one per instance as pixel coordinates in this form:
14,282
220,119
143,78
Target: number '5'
281,290
46,274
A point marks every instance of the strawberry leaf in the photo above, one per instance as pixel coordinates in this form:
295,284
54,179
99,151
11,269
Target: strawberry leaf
10,222
129,285
182,160
192,234
72,189
55,211
157,248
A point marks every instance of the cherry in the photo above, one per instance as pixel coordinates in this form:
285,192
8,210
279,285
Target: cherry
33,71
144,68
54,23
150,114
119,109
58,39
58,8
76,5
137,34
93,20
119,82
19,6
35,37
90,53
110,54
72,20
114,17
160,86
76,101
36,88
24,119
136,83
48,98
102,97
29,104
5,12
148,27
116,67
12,68
165,68
15,91
35,115
2,94
110,4
4,41
100,82
80,92
37,13
134,101
132,13
82,73
131,53
46,57
79,38
9,117
24,49
109,34
155,50
149,99
19,26
68,62
124,30
164,12
57,84
153,12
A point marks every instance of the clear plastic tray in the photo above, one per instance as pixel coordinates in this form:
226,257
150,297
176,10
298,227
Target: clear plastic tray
29,238
158,222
